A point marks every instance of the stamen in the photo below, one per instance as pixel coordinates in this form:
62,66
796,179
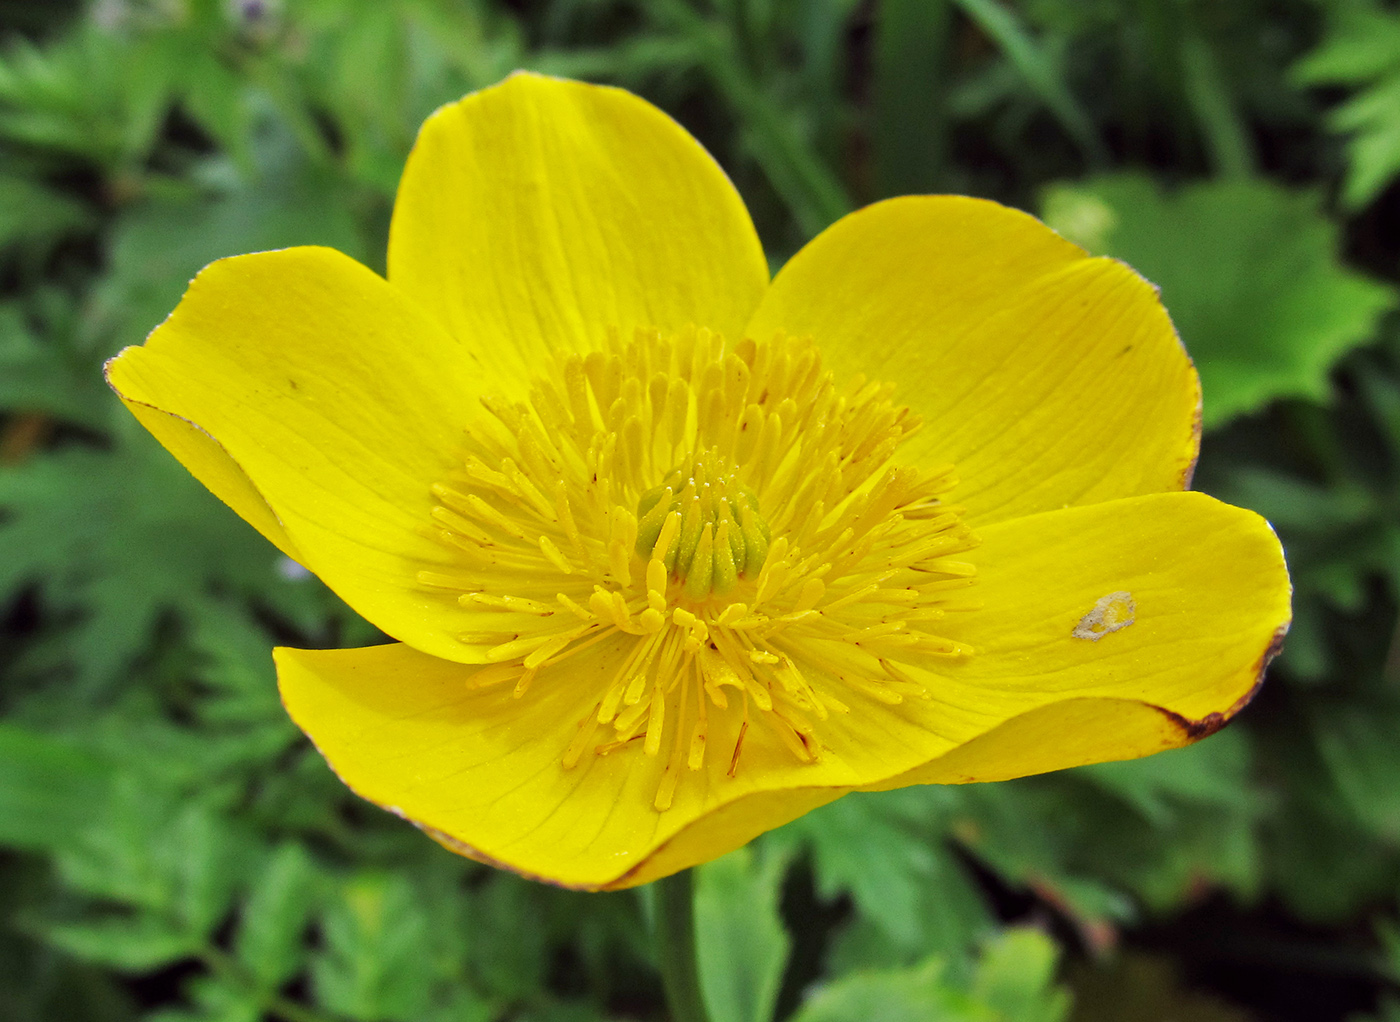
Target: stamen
725,530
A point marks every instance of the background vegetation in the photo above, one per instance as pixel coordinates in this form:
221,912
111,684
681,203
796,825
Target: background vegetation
170,847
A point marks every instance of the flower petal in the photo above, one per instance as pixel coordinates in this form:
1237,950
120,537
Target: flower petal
321,405
210,464
1047,377
536,214
481,771
1107,632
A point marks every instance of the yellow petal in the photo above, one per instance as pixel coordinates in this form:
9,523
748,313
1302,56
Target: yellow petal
1047,377
482,771
321,405
210,464
535,215
1107,632
1073,732
730,826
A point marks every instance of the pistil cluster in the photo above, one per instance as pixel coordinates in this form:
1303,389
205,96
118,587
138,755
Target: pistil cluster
733,521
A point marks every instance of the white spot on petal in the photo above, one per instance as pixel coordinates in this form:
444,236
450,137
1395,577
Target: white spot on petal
1113,612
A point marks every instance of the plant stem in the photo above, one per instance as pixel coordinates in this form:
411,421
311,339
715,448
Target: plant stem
675,944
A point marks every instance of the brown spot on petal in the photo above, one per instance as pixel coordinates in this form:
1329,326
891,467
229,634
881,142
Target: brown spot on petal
1274,648
1208,725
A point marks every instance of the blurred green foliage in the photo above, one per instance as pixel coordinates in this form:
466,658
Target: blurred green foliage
174,851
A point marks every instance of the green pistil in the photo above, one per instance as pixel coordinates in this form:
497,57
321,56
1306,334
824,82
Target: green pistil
722,536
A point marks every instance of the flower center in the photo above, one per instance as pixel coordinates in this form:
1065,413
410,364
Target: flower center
719,535
720,540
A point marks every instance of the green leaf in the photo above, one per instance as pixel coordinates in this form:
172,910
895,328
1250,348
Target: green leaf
31,213
511,957
1032,831
888,851
1016,978
1249,272
43,371
269,939
218,100
772,132
916,994
377,962
49,789
139,943
1362,49
1357,744
739,935
1013,981
218,1000
467,1006
90,93
206,868
1226,133
1207,773
118,539
237,666
154,850
1041,71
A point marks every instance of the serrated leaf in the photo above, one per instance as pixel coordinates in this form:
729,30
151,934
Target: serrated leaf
237,666
1013,981
888,852
118,539
204,860
49,789
269,939
1025,830
42,373
1016,978
154,851
917,994
512,962
1362,49
377,962
139,943
1358,746
90,93
1207,773
32,213
1249,272
740,940
112,858
218,1000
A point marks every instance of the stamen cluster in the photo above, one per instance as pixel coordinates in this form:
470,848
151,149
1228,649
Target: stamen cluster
733,522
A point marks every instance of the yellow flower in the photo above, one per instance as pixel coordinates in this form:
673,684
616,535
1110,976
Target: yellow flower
675,555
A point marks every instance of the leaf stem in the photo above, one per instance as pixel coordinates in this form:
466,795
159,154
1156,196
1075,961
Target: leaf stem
675,941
